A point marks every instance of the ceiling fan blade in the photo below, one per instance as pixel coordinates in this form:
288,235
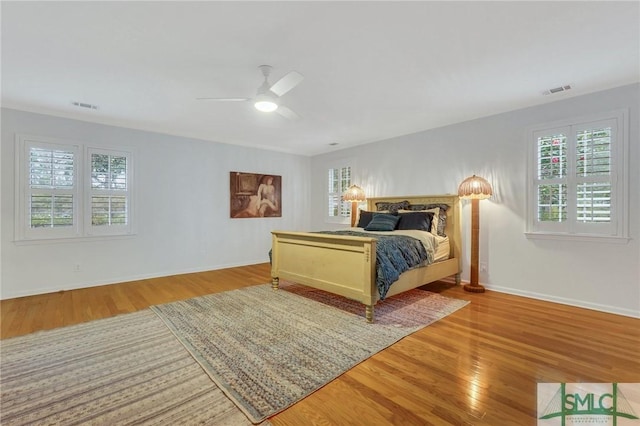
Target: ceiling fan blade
287,113
286,83
224,99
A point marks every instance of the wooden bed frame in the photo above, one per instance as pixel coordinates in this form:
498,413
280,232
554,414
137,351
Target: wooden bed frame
345,265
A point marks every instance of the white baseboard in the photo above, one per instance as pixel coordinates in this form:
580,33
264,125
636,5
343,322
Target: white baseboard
565,301
123,279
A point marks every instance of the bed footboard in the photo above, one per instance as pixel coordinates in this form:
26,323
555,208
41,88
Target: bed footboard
343,265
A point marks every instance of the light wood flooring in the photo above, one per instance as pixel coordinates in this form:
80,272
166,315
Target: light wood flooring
478,366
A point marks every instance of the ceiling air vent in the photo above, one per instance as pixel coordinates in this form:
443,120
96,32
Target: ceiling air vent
85,105
557,90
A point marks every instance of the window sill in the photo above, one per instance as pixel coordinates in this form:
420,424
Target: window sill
592,238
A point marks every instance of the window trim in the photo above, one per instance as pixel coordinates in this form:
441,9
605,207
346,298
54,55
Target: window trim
82,228
619,163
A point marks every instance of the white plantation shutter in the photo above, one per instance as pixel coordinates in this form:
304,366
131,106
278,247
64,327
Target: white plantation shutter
578,179
345,183
50,196
595,176
52,186
594,202
551,178
334,196
339,180
109,197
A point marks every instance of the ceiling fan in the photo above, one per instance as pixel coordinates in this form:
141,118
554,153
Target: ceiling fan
267,98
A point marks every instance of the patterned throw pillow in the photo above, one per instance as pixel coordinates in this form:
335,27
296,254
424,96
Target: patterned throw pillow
392,207
383,222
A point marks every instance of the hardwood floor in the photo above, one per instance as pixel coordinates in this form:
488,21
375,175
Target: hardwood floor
478,366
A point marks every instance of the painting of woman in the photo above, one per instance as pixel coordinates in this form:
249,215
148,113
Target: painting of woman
254,195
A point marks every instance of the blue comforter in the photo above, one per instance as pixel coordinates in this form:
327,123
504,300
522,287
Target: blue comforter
395,254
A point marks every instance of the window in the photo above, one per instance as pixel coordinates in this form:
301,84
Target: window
338,181
109,191
51,196
55,200
577,179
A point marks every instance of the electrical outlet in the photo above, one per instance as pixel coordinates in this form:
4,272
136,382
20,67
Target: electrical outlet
483,267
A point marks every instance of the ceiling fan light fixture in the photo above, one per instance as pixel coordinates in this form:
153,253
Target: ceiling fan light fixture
265,103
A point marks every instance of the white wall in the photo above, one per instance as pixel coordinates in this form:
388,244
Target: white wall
601,276
183,215
182,230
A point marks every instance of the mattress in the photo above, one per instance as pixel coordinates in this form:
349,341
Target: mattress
443,249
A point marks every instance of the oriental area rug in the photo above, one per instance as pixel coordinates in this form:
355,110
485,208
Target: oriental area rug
231,358
268,349
125,370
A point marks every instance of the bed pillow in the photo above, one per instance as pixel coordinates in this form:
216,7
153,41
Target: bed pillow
415,220
392,207
442,215
383,222
365,216
435,220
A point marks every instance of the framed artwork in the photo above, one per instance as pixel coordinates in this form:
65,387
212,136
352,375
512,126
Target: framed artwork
255,195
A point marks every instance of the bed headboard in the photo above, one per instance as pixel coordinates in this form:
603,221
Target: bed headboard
452,228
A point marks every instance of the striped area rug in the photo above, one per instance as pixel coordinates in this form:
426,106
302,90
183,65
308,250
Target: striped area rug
124,370
269,349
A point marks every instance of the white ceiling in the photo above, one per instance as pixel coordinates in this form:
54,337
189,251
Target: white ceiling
373,70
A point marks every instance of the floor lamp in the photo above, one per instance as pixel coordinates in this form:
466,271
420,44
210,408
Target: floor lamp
355,194
474,188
